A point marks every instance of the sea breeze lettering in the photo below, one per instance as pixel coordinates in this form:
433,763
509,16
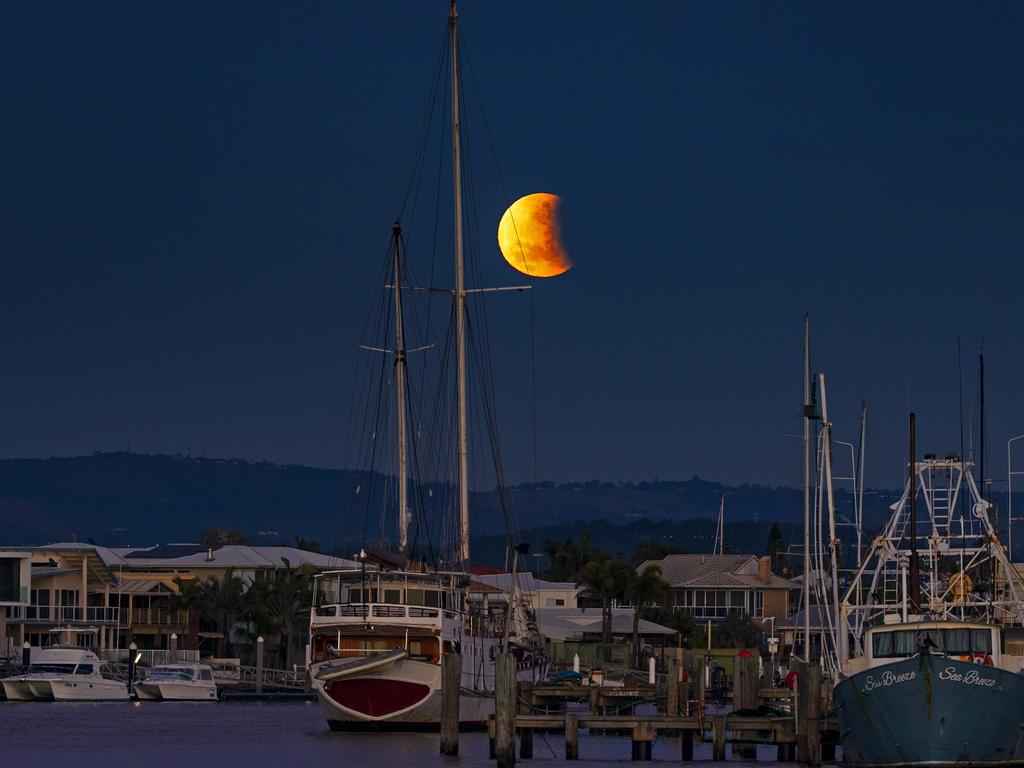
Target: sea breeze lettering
887,679
973,677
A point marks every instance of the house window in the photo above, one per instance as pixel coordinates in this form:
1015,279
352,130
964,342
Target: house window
553,602
714,603
758,603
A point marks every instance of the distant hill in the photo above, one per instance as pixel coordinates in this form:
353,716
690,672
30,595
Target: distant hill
126,498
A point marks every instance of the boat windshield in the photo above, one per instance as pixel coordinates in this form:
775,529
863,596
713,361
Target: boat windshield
905,642
170,674
51,669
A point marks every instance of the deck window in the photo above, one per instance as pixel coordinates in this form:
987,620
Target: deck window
393,596
958,641
981,640
414,596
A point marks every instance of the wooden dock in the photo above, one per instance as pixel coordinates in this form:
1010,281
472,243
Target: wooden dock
791,721
718,729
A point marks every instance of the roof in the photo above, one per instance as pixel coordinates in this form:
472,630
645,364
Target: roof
142,586
817,613
525,582
714,571
574,623
231,556
109,557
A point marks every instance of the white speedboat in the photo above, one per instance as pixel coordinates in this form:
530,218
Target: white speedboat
178,682
64,674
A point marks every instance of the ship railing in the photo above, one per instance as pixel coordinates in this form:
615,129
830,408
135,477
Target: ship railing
382,612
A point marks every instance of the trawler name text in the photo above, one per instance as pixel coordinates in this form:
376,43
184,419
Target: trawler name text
969,678
887,679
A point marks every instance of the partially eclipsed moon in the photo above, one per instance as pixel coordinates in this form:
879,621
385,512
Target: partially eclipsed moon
529,236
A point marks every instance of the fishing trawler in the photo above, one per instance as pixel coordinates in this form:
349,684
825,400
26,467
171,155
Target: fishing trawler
379,633
925,651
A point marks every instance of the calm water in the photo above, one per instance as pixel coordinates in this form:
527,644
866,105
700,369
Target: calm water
236,735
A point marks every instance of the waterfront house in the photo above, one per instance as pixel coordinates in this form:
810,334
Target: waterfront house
711,587
127,594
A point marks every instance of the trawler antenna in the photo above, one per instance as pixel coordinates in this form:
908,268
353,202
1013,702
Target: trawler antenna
808,413
915,581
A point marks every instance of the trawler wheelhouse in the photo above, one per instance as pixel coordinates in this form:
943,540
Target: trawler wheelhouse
980,643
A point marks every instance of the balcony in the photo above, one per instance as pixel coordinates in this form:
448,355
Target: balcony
159,617
68,615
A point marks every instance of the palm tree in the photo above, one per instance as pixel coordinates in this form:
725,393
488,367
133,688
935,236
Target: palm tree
603,581
221,601
644,589
279,601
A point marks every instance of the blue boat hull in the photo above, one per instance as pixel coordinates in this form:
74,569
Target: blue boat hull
931,710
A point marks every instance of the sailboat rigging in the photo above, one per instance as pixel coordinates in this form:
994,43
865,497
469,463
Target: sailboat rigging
378,633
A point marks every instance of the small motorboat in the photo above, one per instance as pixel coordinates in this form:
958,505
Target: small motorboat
64,674
178,682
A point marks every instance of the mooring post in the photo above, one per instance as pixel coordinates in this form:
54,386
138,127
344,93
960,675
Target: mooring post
828,751
259,665
133,651
172,647
451,689
572,737
26,654
490,737
526,743
687,687
595,700
744,697
718,747
505,710
643,739
686,739
672,688
814,715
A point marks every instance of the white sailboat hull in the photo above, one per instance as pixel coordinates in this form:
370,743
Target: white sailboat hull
402,696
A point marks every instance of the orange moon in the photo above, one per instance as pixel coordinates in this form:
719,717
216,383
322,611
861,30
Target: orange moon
530,238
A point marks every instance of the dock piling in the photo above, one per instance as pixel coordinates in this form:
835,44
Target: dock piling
643,739
259,664
686,745
572,737
808,713
451,689
718,746
672,688
526,743
505,710
744,697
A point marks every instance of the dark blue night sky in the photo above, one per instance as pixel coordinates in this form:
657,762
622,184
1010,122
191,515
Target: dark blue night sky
196,197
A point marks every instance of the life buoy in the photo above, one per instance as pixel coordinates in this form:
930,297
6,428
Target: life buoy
982,658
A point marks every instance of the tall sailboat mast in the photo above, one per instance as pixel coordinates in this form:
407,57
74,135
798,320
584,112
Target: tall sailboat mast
460,300
403,469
